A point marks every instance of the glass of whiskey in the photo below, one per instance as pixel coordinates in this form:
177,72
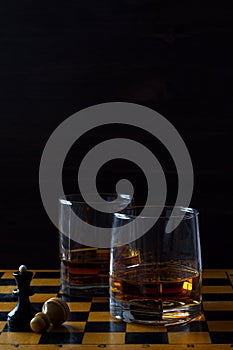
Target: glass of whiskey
84,267
155,276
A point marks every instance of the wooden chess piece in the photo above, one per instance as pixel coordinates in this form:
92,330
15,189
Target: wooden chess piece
54,311
19,318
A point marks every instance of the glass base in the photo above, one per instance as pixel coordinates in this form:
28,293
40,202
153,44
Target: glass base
140,312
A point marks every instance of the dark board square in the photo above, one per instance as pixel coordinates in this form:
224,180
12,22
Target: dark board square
78,316
99,307
179,328
37,307
194,326
216,282
221,337
61,338
3,316
217,297
7,282
146,338
47,274
11,330
219,315
45,289
7,297
198,326
68,298
105,327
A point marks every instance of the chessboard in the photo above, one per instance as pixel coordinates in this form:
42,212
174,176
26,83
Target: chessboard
90,326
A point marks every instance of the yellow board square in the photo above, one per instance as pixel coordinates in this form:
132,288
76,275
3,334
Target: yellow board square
189,337
19,338
214,274
44,270
104,338
7,306
218,305
2,325
100,316
201,317
100,300
45,282
82,306
217,289
8,274
7,289
220,326
41,297
132,327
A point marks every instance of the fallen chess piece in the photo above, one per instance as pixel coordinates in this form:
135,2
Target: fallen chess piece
54,312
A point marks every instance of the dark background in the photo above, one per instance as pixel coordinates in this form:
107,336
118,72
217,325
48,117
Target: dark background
57,58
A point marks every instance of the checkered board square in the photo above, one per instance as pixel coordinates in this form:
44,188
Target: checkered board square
90,326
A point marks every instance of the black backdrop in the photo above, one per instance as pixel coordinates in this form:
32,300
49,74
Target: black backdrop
59,57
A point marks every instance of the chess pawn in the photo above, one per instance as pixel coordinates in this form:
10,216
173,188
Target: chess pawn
19,318
54,311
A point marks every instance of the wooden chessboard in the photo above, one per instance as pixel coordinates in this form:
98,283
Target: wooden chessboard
91,327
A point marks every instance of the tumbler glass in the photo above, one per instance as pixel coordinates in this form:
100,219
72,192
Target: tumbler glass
84,269
156,278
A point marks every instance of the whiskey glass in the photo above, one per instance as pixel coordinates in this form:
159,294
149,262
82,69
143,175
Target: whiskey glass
156,278
85,269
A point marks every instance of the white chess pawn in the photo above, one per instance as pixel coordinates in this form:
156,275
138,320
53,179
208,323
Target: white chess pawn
54,311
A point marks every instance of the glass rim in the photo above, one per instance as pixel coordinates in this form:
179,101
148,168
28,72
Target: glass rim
70,201
189,213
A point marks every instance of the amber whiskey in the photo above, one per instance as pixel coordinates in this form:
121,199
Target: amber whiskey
85,272
155,293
